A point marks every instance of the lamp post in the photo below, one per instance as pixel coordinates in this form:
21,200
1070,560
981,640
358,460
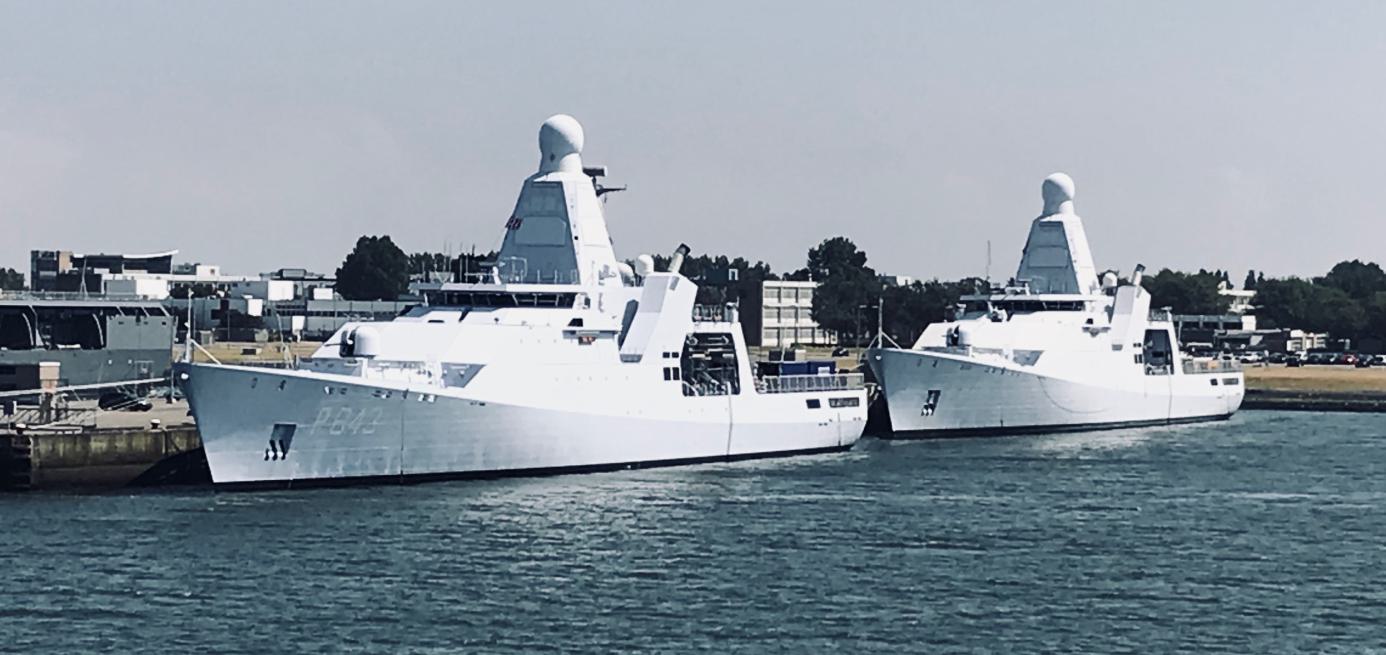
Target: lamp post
225,311
187,339
878,307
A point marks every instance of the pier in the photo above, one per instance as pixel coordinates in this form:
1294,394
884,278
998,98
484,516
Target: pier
98,459
92,450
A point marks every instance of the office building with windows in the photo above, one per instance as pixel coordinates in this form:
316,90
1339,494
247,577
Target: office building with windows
781,316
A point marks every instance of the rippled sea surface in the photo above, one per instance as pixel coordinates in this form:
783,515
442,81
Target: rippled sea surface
1266,533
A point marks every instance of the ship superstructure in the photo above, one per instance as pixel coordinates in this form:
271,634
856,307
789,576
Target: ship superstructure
558,358
1057,348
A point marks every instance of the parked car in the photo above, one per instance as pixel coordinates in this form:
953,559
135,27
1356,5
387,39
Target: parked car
1251,357
1294,361
1345,359
1365,361
1277,358
123,401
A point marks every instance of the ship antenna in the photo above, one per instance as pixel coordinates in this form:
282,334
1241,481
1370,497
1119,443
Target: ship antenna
881,337
988,269
187,340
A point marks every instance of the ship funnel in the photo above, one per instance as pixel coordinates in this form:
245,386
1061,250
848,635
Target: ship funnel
676,262
1137,275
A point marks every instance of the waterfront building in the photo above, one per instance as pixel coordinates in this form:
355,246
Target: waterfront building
780,315
64,270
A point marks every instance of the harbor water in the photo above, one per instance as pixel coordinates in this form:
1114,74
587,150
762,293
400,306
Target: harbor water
1265,533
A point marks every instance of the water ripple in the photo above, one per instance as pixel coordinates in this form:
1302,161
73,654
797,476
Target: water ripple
1261,534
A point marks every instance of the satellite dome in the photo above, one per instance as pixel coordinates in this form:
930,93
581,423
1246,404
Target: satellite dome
1058,194
560,144
366,341
644,265
965,336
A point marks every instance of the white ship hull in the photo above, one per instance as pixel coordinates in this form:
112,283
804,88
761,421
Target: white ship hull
977,398
374,430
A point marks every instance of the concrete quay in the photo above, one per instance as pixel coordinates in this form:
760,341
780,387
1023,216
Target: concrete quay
124,449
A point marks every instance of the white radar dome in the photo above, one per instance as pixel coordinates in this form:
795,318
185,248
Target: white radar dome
560,143
965,336
644,265
367,341
1058,194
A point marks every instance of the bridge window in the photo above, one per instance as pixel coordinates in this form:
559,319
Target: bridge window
495,299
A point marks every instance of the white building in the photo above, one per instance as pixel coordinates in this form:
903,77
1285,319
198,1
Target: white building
1238,300
272,290
783,316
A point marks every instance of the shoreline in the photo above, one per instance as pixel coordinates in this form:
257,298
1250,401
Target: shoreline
1316,389
1314,401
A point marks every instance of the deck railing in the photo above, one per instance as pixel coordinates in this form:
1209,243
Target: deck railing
375,369
804,383
73,295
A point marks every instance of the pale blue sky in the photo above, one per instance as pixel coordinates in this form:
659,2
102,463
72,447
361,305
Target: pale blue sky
261,135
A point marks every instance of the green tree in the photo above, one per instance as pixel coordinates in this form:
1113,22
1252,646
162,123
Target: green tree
1250,282
376,269
1283,303
846,288
1298,303
438,267
720,279
910,308
748,279
430,266
1375,310
836,257
1186,293
11,280
1333,311
1357,279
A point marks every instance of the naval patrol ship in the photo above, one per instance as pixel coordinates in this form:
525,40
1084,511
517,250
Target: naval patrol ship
1058,348
560,358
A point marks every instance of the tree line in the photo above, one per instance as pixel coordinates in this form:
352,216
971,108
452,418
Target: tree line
11,280
845,302
1347,302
